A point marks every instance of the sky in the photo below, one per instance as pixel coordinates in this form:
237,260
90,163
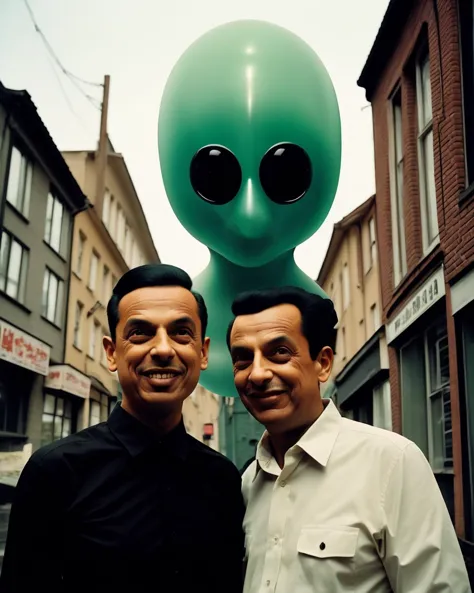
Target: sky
137,43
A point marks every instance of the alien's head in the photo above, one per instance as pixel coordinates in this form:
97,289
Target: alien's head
250,141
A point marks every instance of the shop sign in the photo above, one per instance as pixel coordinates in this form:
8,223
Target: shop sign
23,350
430,292
65,378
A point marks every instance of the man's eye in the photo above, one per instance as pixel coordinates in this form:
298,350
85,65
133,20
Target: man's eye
281,351
183,331
136,333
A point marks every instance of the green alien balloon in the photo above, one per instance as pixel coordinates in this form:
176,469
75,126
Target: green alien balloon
249,141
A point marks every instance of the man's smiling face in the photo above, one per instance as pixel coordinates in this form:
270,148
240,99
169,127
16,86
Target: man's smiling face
159,351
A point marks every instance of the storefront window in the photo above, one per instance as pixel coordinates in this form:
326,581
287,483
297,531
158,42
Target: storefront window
57,421
426,403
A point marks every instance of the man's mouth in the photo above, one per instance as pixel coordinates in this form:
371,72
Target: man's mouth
161,379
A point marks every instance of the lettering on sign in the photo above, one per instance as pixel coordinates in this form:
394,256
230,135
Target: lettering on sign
23,350
430,292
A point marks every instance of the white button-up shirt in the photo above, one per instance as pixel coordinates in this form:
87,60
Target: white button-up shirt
355,508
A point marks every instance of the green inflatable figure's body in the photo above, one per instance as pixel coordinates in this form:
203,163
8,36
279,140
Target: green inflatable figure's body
250,150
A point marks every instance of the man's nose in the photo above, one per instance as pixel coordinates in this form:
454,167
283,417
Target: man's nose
162,346
260,373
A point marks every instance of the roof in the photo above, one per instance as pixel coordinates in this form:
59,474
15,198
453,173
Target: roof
338,233
117,160
30,126
385,43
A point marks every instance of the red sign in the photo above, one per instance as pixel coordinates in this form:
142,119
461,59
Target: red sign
65,378
23,350
208,429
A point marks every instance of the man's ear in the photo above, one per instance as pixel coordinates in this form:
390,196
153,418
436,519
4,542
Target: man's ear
109,348
205,353
325,362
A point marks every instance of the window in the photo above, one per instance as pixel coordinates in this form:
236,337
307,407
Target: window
439,399
106,290
77,324
372,241
396,189
54,222
382,406
52,304
375,315
425,153
120,229
81,243
426,402
128,244
103,357
346,295
19,182
466,20
106,207
93,270
58,418
114,282
94,338
13,267
113,219
94,415
342,351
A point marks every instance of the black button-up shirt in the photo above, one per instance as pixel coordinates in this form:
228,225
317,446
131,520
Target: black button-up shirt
113,509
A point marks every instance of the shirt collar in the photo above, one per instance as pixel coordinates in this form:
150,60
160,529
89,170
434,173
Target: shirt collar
317,442
137,437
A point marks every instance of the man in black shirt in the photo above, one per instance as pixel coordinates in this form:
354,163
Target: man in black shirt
134,504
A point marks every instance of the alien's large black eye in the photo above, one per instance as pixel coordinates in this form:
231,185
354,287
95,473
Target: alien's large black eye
215,174
285,173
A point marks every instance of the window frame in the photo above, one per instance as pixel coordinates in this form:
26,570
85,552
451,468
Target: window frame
428,203
67,402
92,279
56,204
396,164
77,330
24,265
59,299
23,205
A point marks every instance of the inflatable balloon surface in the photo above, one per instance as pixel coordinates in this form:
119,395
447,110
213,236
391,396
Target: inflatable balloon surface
249,141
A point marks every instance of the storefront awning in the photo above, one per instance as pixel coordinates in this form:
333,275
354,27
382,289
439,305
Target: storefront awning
65,378
22,349
362,371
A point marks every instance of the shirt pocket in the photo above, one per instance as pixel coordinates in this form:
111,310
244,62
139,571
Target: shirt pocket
320,541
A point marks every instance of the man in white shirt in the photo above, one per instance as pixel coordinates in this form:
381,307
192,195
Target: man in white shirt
332,505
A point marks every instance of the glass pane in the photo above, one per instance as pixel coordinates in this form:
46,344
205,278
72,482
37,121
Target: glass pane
5,248
93,271
49,219
67,408
14,179
430,188
27,190
437,431
66,427
59,303
44,306
47,429
49,401
23,276
52,297
426,91
58,427
14,268
60,406
57,225
398,133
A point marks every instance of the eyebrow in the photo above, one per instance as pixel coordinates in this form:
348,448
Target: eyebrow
272,343
184,321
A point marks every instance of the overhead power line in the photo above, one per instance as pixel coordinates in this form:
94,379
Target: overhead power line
72,77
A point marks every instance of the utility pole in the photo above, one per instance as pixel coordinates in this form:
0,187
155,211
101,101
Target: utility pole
102,149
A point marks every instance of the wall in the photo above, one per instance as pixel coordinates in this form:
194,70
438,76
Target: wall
199,408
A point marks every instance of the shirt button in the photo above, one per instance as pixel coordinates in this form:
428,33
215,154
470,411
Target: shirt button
283,484
268,583
275,540
322,546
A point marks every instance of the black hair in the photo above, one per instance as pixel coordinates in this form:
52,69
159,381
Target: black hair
318,316
152,275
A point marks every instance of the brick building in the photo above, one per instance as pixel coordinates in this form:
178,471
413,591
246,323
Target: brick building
419,79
